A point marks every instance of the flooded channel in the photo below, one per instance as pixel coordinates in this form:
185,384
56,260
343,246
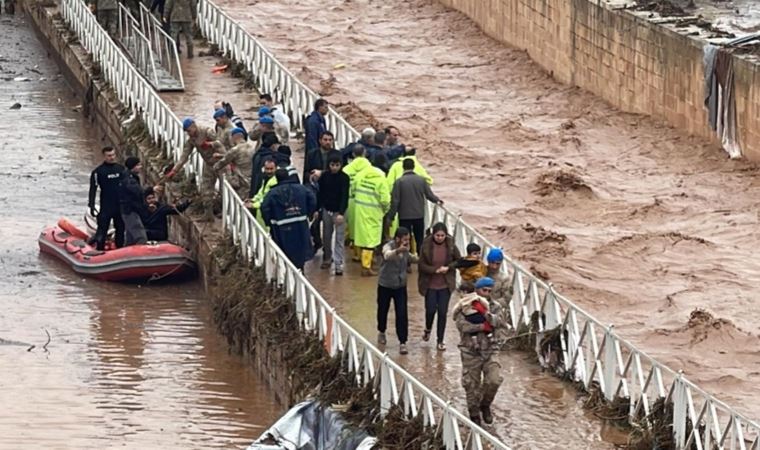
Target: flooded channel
124,365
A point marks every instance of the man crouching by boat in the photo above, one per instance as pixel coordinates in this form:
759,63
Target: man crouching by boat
155,215
131,194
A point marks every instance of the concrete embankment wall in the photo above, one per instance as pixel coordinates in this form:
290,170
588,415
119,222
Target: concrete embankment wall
636,65
108,115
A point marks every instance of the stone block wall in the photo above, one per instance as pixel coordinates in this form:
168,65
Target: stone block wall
636,65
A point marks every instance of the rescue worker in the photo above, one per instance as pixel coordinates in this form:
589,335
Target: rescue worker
239,158
107,176
268,182
332,197
357,164
155,215
286,210
234,118
278,127
372,200
131,195
502,289
204,141
391,285
408,199
315,124
281,120
181,14
480,371
223,128
107,13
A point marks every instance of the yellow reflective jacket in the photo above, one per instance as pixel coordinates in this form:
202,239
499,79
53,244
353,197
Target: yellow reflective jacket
372,199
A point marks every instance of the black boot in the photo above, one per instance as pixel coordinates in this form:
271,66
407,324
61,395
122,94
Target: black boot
475,417
487,416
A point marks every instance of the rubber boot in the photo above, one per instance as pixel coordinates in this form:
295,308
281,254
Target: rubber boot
366,257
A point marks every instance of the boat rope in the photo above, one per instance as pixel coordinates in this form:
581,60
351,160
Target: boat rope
156,276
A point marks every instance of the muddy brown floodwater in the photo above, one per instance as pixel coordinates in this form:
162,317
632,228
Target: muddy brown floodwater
126,366
635,221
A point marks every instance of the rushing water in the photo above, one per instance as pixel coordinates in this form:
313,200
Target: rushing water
126,365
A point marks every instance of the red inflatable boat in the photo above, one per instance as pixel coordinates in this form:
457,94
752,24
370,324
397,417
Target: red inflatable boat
136,262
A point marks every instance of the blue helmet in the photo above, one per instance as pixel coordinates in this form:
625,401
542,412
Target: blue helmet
264,111
266,119
220,113
237,130
495,255
485,282
187,123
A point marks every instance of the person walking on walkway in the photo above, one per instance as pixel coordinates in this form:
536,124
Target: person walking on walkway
371,202
476,318
239,158
391,285
315,125
181,15
108,177
204,141
408,200
333,200
286,210
437,280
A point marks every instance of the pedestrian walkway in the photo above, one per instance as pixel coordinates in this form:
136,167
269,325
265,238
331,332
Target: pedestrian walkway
531,405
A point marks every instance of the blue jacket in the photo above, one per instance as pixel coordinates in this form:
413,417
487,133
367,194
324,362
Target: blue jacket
315,125
286,210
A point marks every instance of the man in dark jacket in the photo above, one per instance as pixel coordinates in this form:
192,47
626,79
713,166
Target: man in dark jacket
131,196
268,150
408,200
108,177
155,215
315,124
316,158
332,199
376,147
286,210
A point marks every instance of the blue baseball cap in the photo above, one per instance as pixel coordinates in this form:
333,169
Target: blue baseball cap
220,113
187,123
266,119
264,111
237,130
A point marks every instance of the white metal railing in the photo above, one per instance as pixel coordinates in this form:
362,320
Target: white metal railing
153,52
592,352
132,89
393,385
164,50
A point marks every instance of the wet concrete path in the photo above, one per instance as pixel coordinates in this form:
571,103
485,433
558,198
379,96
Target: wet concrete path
126,366
532,409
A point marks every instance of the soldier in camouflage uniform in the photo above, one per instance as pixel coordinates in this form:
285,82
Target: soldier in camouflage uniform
203,140
480,371
502,290
181,15
107,14
240,160
223,128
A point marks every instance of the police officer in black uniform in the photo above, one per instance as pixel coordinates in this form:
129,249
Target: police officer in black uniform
107,176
